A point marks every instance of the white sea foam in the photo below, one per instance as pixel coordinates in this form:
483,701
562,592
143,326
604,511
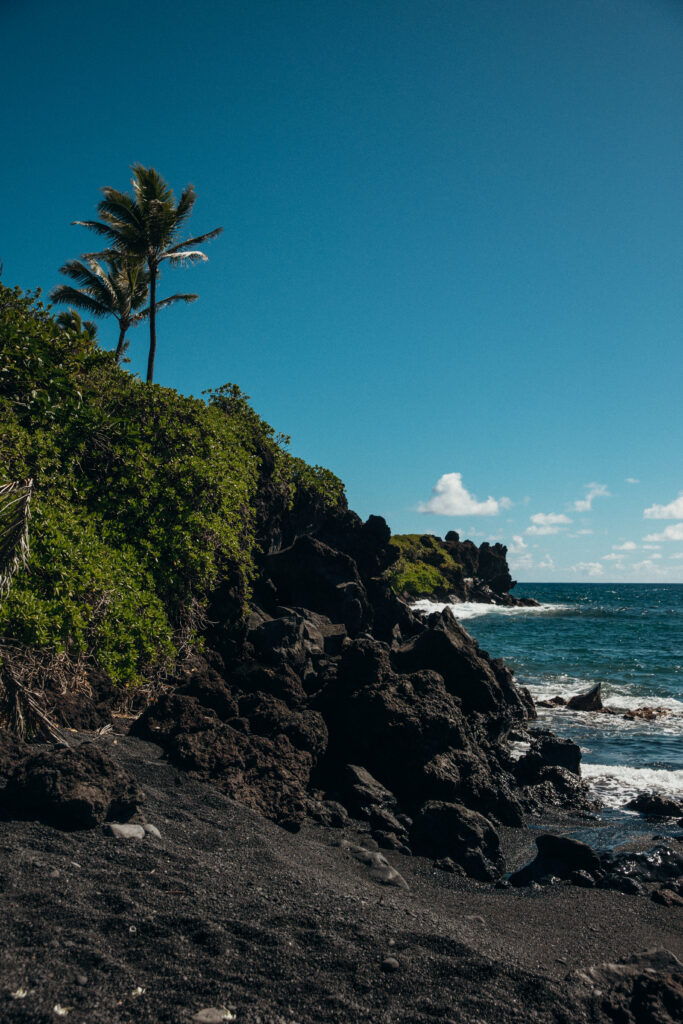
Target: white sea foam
464,610
616,784
668,724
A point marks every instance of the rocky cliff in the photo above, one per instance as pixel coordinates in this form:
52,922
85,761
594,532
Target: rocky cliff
452,570
335,699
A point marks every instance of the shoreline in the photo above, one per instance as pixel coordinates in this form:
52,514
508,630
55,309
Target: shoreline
629,740
226,910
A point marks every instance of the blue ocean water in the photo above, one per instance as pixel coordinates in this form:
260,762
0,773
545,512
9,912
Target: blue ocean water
627,636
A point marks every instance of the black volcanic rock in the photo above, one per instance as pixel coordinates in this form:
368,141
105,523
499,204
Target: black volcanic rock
654,805
71,789
451,830
481,684
313,575
558,857
589,701
12,751
548,751
331,669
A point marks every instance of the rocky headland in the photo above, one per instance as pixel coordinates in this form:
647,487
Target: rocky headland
453,570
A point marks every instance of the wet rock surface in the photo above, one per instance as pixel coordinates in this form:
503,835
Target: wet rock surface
654,805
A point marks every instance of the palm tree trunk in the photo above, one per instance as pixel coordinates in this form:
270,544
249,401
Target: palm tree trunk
120,346
152,322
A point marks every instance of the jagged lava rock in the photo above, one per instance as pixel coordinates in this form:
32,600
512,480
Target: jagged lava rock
589,701
452,830
316,576
71,789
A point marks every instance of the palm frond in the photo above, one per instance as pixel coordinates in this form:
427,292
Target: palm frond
67,295
107,230
195,241
186,202
15,512
186,256
144,314
148,186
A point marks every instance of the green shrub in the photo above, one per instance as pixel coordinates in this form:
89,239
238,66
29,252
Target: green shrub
143,499
424,566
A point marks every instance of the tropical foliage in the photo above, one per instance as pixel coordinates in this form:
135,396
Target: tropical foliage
143,500
119,290
15,511
70,320
424,567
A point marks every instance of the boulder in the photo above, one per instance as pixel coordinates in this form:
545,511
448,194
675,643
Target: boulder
589,701
660,864
71,789
469,674
547,751
560,857
451,830
267,773
654,805
269,716
315,576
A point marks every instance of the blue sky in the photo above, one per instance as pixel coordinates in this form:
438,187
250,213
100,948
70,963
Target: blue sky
452,254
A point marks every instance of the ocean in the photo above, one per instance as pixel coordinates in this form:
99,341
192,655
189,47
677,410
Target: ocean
629,637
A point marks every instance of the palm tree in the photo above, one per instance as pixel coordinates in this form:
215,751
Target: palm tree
145,226
15,512
119,291
71,321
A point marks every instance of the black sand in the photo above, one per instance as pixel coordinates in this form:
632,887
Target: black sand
227,910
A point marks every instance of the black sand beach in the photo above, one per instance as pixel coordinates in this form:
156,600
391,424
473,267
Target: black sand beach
228,911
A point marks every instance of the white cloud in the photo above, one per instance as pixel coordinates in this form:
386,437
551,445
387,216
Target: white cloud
612,558
591,568
628,545
679,554
451,498
632,480
673,532
549,518
518,544
592,491
674,510
651,547
547,522
547,563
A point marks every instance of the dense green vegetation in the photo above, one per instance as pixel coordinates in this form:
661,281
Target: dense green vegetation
424,567
143,499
